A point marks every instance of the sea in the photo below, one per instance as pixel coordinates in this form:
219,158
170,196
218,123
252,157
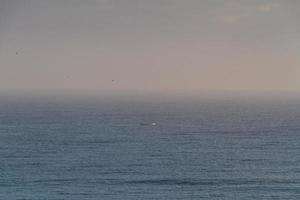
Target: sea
147,148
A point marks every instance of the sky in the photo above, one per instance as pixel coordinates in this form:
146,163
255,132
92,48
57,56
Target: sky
145,46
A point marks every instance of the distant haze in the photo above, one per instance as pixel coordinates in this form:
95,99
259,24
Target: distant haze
149,45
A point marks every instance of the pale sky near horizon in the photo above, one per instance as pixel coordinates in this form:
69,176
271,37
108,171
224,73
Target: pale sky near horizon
150,45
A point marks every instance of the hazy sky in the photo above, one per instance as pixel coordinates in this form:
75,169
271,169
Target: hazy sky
149,45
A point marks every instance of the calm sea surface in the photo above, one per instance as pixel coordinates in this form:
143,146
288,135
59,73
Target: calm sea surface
79,150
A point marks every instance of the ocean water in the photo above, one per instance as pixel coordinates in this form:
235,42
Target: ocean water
102,149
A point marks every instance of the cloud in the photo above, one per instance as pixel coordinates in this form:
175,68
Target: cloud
230,19
265,8
262,8
233,18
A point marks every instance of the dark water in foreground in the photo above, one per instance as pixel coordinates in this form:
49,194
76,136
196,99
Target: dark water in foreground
200,150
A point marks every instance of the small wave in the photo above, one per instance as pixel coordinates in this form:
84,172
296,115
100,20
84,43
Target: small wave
211,182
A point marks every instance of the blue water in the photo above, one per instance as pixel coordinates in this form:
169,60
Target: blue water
217,149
